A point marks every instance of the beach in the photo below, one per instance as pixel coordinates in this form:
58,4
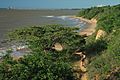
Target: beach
89,30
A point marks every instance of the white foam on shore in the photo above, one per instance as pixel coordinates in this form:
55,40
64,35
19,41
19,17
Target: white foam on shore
62,17
49,16
77,22
59,17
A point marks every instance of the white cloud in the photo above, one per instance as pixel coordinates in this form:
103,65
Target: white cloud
101,5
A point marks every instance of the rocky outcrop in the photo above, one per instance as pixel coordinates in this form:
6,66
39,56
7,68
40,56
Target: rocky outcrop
93,20
58,47
100,33
114,74
80,66
84,77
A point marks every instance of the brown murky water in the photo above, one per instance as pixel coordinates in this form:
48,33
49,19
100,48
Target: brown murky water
10,19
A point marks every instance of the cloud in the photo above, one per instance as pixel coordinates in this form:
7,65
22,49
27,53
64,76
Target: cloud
101,5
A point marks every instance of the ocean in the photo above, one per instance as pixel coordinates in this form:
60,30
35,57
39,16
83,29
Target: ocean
12,19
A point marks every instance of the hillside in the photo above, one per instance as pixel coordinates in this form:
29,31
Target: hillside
104,53
60,53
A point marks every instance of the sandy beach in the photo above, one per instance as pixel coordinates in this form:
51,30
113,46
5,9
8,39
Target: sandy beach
88,30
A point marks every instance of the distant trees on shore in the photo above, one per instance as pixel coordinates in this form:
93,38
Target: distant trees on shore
108,16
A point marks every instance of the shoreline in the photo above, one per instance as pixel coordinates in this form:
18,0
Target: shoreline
89,30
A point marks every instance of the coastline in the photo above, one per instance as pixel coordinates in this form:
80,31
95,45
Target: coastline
88,30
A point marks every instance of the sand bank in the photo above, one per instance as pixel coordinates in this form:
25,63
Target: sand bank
88,30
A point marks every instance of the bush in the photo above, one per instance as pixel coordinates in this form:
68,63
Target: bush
43,63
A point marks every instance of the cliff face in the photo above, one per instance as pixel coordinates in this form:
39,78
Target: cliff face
58,47
93,20
100,33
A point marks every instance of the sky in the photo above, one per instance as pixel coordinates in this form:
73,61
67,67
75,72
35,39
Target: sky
55,4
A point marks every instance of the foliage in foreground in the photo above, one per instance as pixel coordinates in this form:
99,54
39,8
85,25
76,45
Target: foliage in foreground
43,63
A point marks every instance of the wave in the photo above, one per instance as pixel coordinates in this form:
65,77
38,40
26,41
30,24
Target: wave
59,17
68,19
49,16
62,17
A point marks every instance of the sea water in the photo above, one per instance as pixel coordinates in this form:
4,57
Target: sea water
11,19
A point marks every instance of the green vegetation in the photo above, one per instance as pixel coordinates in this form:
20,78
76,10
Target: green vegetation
104,54
108,17
43,63
108,59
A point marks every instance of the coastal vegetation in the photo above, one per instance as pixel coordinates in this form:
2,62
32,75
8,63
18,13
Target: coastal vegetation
44,62
104,54
108,16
